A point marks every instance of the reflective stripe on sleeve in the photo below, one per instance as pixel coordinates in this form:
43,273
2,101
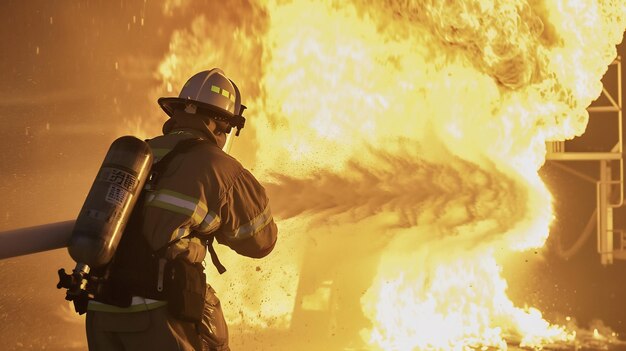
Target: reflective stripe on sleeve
179,203
182,232
254,226
210,222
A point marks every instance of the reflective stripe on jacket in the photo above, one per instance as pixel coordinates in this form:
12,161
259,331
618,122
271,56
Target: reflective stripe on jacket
137,304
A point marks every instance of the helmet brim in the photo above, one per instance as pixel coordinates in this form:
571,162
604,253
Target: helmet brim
171,104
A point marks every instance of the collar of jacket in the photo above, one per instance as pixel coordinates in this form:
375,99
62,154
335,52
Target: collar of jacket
186,121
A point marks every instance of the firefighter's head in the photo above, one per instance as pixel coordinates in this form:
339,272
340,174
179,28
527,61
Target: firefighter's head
211,96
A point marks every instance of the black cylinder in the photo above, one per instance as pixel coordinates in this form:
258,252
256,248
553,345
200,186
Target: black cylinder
110,202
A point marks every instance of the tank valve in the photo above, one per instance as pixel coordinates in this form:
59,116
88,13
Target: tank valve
76,285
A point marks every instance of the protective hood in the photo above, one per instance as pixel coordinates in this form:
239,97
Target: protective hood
184,120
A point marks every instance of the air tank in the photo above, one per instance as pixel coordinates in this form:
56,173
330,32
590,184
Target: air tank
109,203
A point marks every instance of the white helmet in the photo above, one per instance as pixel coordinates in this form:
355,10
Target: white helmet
212,94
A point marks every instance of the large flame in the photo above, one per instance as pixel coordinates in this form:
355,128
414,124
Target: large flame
404,136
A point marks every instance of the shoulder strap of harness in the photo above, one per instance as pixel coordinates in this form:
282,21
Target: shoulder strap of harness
214,259
161,165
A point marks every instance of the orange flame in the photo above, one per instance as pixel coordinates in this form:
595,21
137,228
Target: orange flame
411,133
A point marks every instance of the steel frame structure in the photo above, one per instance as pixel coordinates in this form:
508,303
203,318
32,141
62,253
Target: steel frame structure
609,191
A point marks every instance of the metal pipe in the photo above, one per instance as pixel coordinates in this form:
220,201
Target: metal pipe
599,218
614,104
29,240
575,172
583,156
603,109
620,131
605,242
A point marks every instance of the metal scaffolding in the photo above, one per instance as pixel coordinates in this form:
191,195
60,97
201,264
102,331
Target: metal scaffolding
609,191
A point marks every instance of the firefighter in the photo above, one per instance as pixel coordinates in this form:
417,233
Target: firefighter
196,193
